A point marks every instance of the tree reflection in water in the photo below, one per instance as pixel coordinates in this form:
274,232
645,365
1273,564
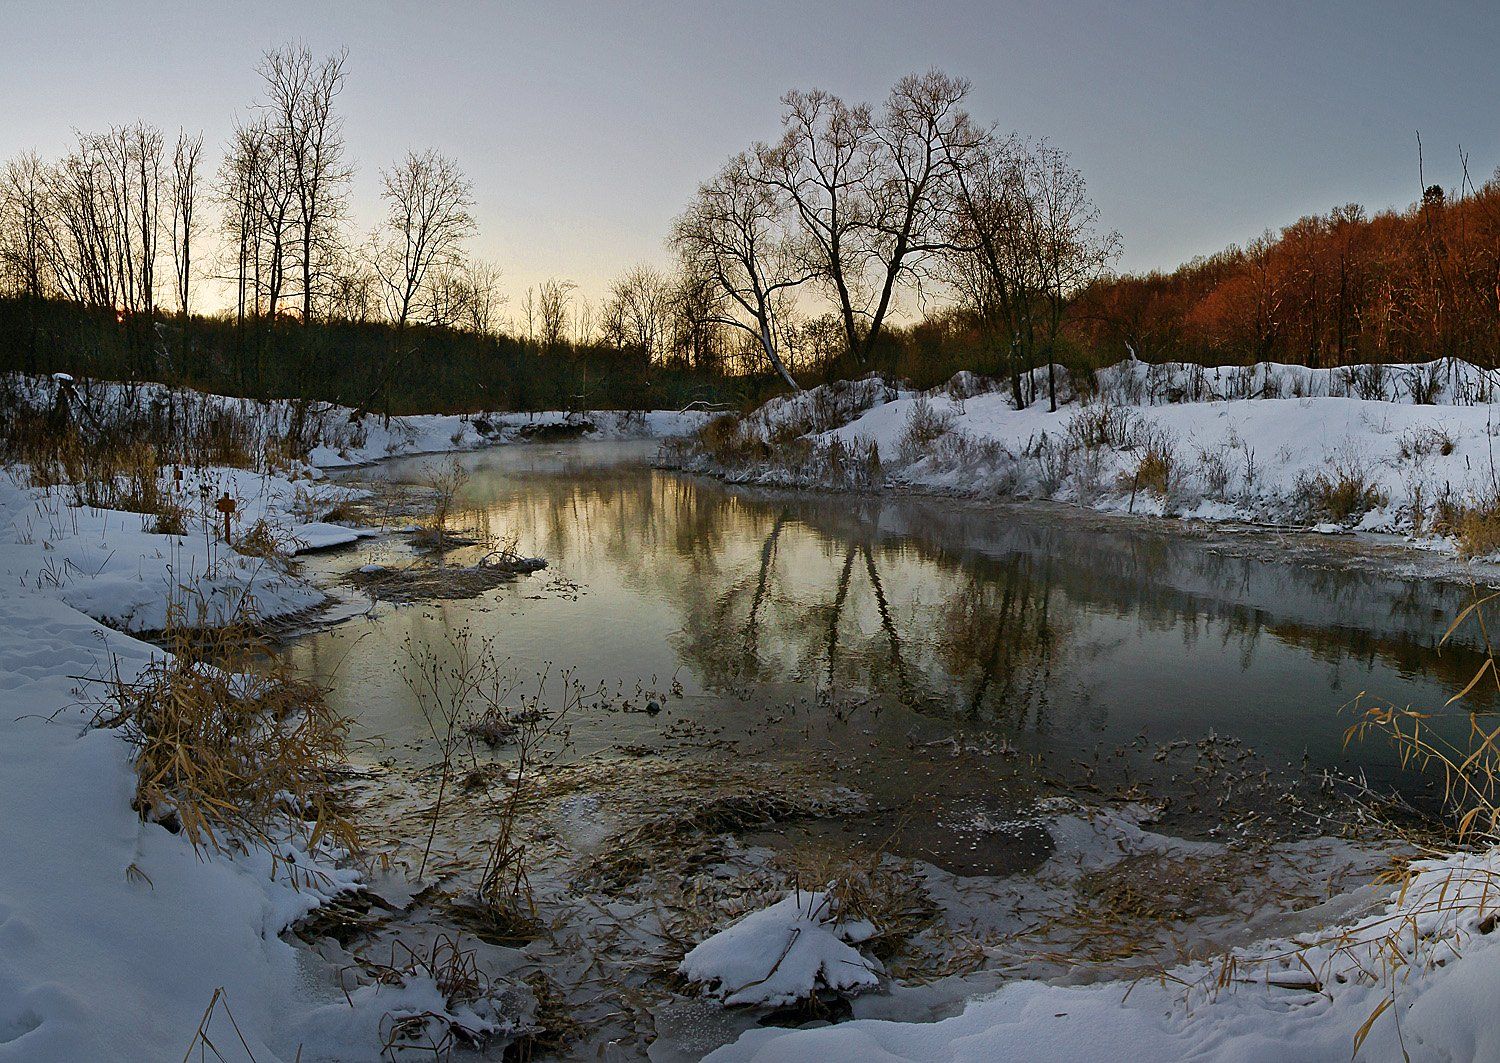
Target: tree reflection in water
1069,632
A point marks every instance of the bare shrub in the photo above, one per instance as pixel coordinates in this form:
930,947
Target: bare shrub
925,424
1101,425
1215,471
470,699
1053,461
1417,443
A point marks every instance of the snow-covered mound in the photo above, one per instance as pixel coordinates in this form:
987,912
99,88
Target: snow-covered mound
784,953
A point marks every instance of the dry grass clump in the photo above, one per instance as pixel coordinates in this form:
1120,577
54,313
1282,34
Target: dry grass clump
229,746
1343,493
684,837
1100,425
497,1008
1154,473
725,441
1476,527
1417,443
1478,532
1438,908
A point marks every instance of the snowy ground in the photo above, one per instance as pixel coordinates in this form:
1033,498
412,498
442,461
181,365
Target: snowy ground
1262,443
1410,981
114,933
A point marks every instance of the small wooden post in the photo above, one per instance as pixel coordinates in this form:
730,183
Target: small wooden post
225,505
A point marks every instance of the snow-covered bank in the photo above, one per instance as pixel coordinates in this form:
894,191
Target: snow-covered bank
1405,449
115,933
1408,982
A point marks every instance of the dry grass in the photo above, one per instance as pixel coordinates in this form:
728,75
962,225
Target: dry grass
466,693
1433,914
229,746
1477,527
1343,493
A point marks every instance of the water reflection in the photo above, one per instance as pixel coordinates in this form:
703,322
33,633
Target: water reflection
1062,632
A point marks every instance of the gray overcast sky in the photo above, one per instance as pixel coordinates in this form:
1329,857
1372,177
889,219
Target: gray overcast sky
584,127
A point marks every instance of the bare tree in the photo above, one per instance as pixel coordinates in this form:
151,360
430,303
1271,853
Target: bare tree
823,168
553,301
299,112
871,193
733,234
428,203
24,225
24,238
697,321
1025,241
1062,239
988,264
481,280
638,313
353,288
184,223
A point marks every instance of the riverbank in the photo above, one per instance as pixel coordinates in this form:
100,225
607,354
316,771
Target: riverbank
1399,450
706,846
935,584
122,939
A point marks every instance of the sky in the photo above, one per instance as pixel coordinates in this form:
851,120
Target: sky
585,127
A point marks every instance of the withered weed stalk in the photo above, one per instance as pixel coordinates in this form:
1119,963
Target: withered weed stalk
468,696
459,979
445,482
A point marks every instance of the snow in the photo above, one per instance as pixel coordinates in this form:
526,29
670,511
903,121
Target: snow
1245,443
784,953
114,932
320,535
1431,950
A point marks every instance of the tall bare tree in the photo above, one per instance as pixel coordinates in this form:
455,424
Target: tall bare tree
871,192
24,224
733,233
24,238
1062,238
299,112
823,168
428,205
638,313
186,157
554,300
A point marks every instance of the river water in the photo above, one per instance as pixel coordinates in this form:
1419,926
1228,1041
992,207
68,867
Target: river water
951,660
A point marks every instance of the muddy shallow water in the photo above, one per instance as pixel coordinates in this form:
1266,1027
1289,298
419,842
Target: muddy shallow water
943,656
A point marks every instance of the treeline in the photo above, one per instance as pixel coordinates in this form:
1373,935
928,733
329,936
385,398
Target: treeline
908,238
795,262
338,360
1334,289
